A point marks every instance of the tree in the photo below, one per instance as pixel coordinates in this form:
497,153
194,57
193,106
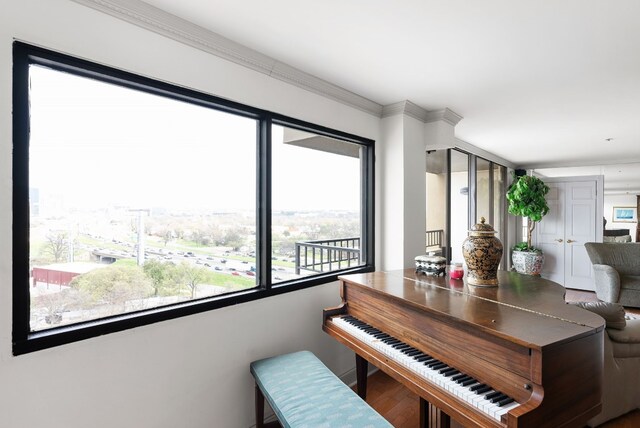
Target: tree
158,272
526,198
113,285
234,237
191,276
167,236
55,304
57,246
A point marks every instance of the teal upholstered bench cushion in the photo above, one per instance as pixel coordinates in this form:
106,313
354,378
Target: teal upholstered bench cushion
304,393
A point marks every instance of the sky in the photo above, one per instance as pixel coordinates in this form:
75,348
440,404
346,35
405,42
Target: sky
99,144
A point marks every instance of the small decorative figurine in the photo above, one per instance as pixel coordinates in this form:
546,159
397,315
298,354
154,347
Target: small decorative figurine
482,252
431,265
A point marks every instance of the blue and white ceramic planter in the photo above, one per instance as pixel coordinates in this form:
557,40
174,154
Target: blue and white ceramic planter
527,262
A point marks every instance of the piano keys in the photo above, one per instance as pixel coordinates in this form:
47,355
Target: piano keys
481,396
510,356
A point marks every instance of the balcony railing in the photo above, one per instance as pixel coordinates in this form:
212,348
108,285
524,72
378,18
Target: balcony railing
326,255
434,241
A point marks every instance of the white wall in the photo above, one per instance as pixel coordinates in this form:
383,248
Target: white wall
611,201
188,372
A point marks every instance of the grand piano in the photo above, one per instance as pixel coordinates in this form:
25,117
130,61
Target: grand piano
515,355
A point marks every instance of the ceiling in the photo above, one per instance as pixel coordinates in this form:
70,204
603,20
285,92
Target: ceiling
540,83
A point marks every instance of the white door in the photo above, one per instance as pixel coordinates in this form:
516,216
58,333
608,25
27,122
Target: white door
550,235
579,228
574,208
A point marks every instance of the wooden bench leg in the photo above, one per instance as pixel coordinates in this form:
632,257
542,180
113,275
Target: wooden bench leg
259,408
432,417
361,376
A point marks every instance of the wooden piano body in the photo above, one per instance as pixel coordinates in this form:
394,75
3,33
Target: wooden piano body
519,337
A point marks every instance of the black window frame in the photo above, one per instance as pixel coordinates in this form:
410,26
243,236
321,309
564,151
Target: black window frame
25,340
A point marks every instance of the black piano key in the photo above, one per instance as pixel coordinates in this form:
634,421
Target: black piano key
433,363
423,358
438,366
414,353
381,336
459,376
449,372
468,382
480,388
492,395
505,401
463,378
391,341
498,398
401,346
484,389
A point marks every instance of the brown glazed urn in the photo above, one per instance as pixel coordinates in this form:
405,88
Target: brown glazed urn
482,252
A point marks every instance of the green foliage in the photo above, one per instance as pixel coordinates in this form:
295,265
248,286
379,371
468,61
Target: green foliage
157,272
524,246
113,285
526,198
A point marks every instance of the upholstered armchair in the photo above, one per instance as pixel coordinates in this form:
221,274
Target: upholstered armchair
616,268
621,380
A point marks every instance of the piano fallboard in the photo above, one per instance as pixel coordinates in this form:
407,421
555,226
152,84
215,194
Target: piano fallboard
520,338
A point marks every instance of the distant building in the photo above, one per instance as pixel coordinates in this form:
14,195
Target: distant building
34,201
62,273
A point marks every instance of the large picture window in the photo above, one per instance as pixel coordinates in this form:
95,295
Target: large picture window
136,201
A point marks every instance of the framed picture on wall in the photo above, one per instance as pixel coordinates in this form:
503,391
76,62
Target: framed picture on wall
625,215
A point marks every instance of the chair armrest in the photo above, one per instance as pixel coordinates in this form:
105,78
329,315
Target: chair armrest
629,334
625,343
607,282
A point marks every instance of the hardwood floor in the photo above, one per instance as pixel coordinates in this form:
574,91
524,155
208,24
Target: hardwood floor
400,406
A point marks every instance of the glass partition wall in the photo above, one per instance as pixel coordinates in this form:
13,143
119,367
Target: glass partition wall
462,188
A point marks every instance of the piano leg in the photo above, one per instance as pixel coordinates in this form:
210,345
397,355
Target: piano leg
361,376
432,417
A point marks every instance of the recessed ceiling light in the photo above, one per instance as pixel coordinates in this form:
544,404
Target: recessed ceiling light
608,139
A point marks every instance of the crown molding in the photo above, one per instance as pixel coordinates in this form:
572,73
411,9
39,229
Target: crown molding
449,116
407,108
163,23
413,110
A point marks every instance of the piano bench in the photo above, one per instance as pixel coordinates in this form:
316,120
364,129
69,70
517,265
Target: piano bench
303,392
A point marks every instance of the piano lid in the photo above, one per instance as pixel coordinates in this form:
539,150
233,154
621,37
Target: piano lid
525,309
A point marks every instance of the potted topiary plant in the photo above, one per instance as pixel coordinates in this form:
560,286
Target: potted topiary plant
526,199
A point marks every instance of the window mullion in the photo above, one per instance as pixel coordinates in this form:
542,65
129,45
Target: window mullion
263,259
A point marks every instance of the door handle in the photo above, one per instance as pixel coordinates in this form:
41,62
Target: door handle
569,241
558,240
